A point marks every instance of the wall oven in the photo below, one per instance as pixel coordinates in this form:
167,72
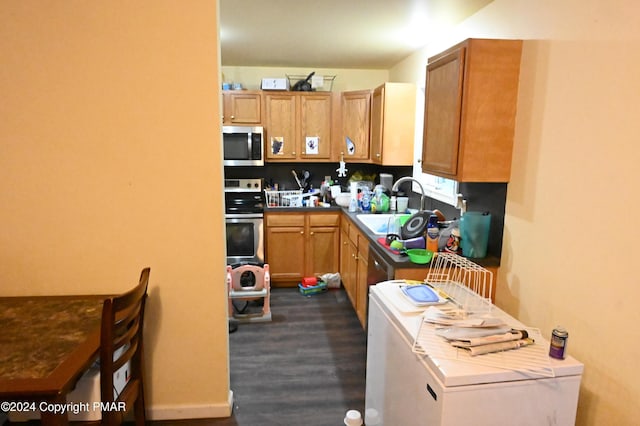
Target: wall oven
244,217
243,145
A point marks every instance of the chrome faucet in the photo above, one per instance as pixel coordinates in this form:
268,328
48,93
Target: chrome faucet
400,181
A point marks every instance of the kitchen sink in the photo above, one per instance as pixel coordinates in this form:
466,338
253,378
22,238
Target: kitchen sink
378,223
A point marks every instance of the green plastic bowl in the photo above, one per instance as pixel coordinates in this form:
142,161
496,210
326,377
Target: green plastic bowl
420,256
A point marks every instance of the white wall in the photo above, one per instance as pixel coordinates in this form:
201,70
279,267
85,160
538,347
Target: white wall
570,235
109,162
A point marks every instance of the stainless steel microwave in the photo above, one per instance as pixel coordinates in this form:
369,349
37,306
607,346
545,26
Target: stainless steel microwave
243,145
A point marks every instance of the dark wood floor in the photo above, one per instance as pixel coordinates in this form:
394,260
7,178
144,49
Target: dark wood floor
306,366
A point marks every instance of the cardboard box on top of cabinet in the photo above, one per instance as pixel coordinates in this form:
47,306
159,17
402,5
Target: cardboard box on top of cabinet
274,84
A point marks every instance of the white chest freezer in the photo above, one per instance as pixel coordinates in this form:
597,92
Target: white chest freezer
406,388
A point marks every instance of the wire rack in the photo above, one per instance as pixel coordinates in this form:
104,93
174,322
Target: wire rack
291,198
466,283
327,81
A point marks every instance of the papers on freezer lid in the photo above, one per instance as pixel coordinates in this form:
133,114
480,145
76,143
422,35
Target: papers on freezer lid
459,318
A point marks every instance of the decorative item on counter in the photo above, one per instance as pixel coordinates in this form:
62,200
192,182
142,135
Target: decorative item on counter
433,233
342,170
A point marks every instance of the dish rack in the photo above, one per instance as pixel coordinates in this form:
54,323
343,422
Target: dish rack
466,283
291,198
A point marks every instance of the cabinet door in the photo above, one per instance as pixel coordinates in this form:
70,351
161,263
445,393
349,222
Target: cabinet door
280,127
323,250
356,110
377,123
348,253
315,123
362,288
442,114
242,108
286,252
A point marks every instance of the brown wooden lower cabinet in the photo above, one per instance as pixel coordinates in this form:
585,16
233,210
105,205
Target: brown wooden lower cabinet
354,255
301,244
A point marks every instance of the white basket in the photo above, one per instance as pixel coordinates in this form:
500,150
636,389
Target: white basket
283,198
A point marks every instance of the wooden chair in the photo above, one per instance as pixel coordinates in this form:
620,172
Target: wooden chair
121,352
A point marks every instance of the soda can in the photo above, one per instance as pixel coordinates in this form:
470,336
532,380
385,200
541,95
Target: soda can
558,347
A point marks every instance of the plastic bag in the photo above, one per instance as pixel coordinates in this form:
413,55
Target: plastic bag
332,280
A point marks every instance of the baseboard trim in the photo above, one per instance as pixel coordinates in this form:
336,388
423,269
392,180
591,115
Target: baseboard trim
177,412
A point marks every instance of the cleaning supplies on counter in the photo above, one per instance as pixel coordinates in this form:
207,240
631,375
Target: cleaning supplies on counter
433,234
380,200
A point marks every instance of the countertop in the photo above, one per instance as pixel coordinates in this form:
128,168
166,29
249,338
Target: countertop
401,261
394,260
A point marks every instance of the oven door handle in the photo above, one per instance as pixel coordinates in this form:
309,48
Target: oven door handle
244,216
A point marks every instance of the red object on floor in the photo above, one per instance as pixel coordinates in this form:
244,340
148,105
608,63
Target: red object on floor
309,281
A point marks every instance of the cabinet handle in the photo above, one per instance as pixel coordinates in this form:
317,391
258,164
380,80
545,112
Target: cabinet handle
378,155
301,232
294,153
233,116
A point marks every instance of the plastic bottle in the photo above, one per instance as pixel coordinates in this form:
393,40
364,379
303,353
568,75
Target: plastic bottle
433,234
365,200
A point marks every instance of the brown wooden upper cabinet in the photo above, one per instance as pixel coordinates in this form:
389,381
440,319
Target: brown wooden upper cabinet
356,118
470,108
393,110
242,107
298,126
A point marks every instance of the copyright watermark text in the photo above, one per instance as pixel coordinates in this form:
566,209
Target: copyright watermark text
57,408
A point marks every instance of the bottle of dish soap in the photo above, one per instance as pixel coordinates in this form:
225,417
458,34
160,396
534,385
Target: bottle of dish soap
433,234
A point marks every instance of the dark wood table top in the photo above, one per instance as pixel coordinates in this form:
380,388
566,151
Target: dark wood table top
46,343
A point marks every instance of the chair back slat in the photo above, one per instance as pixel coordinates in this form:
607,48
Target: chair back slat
120,346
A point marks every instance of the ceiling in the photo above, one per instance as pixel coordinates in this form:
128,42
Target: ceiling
360,34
